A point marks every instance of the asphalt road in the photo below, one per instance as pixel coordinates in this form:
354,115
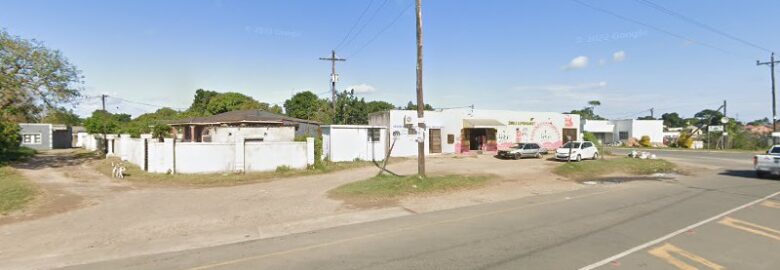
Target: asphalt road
719,218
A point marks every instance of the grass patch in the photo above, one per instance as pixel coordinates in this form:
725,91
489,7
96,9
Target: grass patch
135,174
388,187
596,168
15,190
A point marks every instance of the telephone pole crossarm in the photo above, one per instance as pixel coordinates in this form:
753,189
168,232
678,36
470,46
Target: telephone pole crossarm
334,77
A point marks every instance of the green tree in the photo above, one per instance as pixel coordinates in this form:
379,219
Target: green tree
33,77
303,105
379,106
673,120
708,117
760,122
61,116
232,101
102,122
413,106
349,109
201,101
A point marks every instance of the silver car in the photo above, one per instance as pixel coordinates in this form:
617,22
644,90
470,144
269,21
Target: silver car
522,150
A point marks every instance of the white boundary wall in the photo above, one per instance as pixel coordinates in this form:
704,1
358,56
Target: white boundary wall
350,142
179,157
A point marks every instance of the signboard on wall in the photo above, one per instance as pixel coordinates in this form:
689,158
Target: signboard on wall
715,128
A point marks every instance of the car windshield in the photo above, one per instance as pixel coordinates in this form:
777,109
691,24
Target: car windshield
571,145
775,150
518,146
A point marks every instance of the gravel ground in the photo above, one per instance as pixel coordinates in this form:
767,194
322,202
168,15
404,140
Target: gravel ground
84,216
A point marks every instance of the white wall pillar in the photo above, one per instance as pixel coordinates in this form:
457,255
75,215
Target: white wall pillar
170,154
240,155
309,150
110,141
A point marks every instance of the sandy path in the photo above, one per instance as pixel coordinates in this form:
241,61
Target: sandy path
111,219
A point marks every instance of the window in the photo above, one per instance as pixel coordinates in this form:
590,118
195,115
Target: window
450,138
31,138
623,135
373,134
586,145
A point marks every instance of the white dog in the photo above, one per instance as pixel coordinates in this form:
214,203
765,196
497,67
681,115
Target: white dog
118,171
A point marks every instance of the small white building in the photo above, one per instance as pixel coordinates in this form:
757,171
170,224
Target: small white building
470,130
610,131
352,142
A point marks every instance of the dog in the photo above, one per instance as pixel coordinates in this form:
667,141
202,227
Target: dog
118,171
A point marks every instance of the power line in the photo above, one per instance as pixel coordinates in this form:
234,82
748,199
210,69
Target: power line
381,31
355,24
700,24
146,104
653,27
370,19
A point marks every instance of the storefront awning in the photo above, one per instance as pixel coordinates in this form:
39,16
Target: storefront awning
482,123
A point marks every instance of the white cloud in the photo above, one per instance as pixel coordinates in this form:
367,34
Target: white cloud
619,56
578,62
362,88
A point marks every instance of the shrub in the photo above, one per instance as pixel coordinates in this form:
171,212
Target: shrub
283,169
9,139
685,140
318,161
645,141
591,137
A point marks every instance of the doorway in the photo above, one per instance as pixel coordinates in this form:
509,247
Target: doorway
479,139
434,141
569,133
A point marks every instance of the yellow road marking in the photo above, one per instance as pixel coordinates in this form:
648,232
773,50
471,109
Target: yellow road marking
751,227
666,252
771,204
400,229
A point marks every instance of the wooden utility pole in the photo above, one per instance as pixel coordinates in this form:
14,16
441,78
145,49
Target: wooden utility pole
334,77
420,103
771,64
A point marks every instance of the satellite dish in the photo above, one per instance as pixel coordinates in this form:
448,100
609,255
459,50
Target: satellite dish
724,120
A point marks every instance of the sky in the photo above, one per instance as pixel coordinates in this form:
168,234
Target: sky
551,55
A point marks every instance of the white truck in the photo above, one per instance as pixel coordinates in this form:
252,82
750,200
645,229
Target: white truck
769,163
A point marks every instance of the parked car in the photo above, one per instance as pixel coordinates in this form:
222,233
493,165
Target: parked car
579,150
768,164
522,150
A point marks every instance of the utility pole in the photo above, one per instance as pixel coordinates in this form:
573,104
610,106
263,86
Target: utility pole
334,77
103,100
420,102
652,113
771,64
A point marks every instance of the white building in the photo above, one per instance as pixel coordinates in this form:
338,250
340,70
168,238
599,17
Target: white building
469,130
610,131
351,142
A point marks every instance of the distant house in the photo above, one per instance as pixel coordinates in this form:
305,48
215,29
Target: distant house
252,125
610,131
45,136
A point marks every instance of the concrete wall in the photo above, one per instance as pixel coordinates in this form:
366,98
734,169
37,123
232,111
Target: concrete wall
179,157
267,134
544,128
652,128
350,142
44,130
